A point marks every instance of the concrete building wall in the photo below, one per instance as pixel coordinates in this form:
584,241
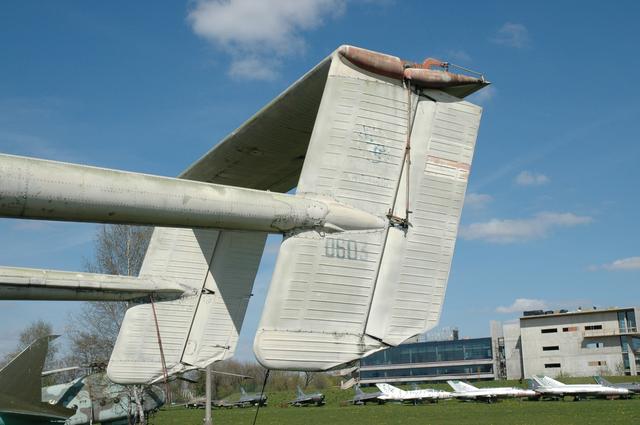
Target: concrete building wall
576,344
512,350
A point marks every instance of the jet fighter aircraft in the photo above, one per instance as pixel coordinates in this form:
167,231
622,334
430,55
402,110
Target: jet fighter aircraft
550,388
415,396
464,391
633,387
361,398
303,399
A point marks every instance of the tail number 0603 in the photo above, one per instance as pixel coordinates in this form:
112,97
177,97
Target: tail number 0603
343,248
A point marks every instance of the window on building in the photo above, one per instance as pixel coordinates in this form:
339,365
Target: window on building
550,348
592,327
595,345
551,365
549,330
598,363
627,320
570,329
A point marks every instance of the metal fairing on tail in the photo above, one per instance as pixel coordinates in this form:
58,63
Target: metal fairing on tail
380,151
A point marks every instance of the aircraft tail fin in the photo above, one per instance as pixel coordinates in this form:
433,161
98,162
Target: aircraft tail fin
600,380
386,151
357,390
551,382
216,270
243,391
22,376
460,386
389,389
21,383
299,391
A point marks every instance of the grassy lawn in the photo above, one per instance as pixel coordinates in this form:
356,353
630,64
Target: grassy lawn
511,412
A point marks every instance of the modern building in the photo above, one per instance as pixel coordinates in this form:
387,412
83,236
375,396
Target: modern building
577,343
430,361
573,343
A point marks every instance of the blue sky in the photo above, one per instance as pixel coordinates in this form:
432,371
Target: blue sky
552,210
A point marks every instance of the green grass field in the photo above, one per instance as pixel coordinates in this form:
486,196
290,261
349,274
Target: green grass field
511,412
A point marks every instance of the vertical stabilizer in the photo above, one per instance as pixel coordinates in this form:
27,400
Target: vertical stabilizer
461,387
551,382
21,384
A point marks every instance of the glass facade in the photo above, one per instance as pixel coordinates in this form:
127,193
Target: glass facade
430,352
627,320
433,351
427,371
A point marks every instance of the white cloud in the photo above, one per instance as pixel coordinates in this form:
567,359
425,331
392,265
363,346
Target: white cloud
631,263
477,200
512,35
523,304
519,230
527,178
257,34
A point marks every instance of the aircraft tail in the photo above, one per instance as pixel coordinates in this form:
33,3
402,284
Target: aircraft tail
533,384
21,383
551,382
357,390
216,270
243,391
460,386
299,391
388,389
377,149
600,380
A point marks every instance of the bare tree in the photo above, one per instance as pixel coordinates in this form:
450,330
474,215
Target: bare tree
119,250
35,330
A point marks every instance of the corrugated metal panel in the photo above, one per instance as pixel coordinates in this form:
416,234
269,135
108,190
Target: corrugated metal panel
181,255
319,298
410,292
222,306
220,268
325,309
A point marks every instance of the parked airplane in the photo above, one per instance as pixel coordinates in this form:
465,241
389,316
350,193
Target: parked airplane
94,398
250,399
391,393
358,205
464,391
633,387
303,399
551,388
362,398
